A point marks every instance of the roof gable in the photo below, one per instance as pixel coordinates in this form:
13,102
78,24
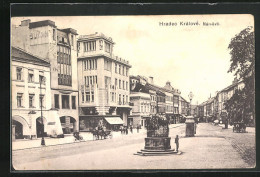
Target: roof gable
20,54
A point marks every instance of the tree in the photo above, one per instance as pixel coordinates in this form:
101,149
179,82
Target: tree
242,51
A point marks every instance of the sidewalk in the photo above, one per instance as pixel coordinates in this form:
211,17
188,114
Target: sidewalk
68,138
248,129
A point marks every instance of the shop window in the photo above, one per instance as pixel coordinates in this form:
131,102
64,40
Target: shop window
65,102
56,101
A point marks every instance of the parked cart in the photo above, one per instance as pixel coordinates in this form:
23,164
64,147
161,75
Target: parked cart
239,127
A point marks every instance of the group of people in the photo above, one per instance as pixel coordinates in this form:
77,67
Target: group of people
124,129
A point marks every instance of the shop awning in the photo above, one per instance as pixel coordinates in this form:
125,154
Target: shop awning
114,120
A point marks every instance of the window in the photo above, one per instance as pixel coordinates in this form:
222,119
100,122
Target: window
41,99
123,72
123,99
19,73
73,100
19,99
126,71
82,96
119,68
30,75
126,99
31,100
64,65
112,96
41,79
54,35
72,40
115,82
56,101
65,102
92,96
85,65
126,85
119,84
89,46
123,85
115,68
108,65
87,96
107,47
119,99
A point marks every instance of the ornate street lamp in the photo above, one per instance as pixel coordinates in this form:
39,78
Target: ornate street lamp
190,97
42,80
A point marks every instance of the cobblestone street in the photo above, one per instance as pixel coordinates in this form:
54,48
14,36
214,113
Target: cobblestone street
211,148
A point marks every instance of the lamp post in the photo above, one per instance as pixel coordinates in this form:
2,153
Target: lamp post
190,97
42,79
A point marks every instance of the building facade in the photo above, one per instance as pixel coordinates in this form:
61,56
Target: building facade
32,113
59,47
103,83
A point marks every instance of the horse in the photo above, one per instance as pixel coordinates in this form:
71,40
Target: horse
98,133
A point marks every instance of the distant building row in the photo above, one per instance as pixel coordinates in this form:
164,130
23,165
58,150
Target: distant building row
214,108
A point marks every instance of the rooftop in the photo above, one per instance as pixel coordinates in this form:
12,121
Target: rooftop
20,54
97,35
42,23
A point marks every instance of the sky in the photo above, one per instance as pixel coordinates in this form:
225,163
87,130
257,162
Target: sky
193,58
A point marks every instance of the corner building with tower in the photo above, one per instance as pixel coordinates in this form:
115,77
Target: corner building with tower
103,84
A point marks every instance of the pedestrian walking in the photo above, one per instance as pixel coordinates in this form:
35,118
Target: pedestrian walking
137,128
121,129
177,143
131,128
126,130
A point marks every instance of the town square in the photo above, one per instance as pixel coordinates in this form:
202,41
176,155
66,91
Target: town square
88,95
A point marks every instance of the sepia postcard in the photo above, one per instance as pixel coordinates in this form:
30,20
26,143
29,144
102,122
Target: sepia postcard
136,92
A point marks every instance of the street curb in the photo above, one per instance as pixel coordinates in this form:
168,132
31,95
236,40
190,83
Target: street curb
75,142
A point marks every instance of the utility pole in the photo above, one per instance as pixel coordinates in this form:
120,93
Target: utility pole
42,80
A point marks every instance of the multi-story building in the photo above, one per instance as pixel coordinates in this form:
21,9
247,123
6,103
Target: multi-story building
103,83
141,101
32,113
169,94
58,46
224,95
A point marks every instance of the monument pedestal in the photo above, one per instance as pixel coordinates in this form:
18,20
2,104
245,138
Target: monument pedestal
157,141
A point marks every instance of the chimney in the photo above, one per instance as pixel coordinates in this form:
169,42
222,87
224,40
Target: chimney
25,22
168,83
150,80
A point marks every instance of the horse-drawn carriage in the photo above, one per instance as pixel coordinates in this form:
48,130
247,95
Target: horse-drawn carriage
99,134
239,127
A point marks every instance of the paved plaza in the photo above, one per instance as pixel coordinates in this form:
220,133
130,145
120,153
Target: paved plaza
212,148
